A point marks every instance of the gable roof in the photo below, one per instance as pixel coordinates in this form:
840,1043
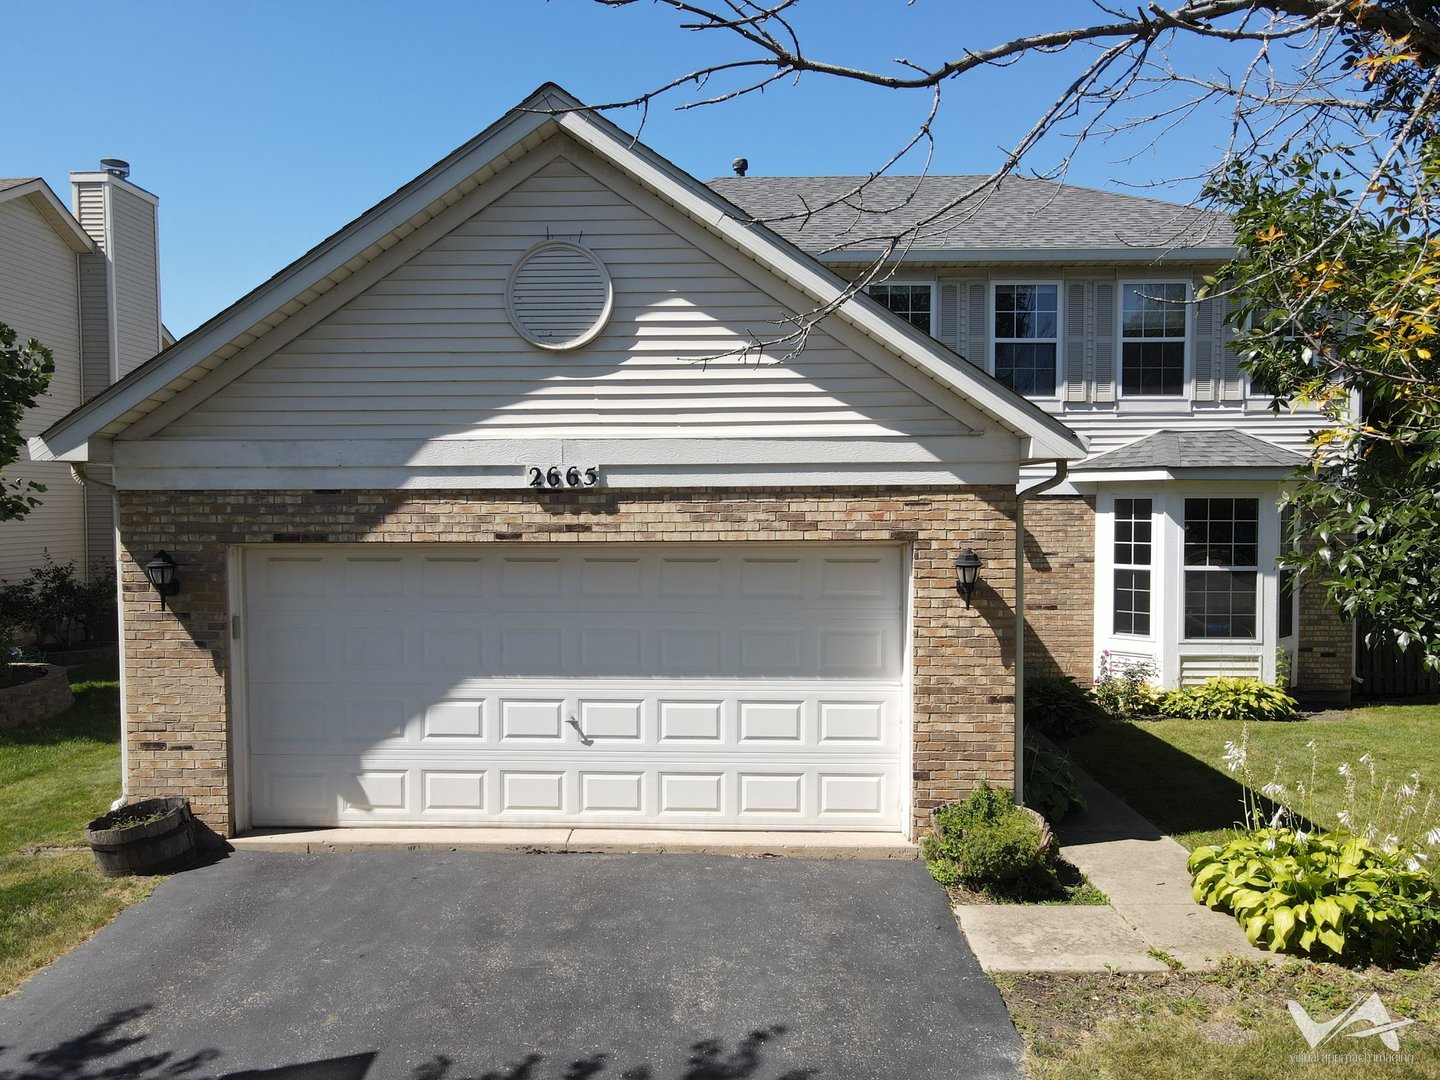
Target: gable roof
1020,217
440,187
1195,450
49,207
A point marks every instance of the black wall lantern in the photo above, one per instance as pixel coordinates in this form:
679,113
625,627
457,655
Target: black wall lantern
163,574
967,572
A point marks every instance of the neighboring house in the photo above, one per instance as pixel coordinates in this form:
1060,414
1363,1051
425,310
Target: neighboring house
1162,545
85,283
489,510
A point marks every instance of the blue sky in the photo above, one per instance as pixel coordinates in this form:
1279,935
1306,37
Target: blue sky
265,126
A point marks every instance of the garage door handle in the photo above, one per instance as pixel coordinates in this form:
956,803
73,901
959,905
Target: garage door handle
584,739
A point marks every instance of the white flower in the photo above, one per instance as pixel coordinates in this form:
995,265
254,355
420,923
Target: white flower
1301,836
1408,790
1234,756
1432,838
1344,769
1344,818
1269,844
1364,759
1310,745
1392,842
1273,791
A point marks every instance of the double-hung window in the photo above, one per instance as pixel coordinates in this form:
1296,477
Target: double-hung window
1152,342
1132,566
1222,561
913,303
1027,329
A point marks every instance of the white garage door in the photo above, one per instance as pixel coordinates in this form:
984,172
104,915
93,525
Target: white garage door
668,686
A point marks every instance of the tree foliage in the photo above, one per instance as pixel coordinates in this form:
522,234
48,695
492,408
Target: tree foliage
25,372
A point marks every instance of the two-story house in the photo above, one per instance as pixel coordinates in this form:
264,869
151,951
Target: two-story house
496,507
1163,546
83,280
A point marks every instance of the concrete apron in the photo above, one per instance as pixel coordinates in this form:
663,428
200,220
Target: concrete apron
795,845
1151,915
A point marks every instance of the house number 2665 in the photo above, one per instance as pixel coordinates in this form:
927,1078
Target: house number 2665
562,476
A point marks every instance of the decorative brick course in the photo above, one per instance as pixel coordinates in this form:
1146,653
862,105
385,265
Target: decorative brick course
177,659
1060,586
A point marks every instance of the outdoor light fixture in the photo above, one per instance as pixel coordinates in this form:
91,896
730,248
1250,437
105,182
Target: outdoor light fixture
161,570
967,572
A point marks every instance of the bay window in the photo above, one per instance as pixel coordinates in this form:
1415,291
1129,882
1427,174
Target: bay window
1133,547
1222,561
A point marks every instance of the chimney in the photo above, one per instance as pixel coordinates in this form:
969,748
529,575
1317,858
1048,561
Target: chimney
120,285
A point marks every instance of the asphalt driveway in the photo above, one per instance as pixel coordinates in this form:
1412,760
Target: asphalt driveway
472,966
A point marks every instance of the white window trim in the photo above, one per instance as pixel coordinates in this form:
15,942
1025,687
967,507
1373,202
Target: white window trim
1151,566
992,341
1186,386
929,283
1261,607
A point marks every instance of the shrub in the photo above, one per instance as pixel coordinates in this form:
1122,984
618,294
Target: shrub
990,844
1050,785
1125,689
1059,707
56,609
1230,699
1328,895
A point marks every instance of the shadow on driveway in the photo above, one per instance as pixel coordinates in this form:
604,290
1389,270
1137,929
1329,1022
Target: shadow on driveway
479,966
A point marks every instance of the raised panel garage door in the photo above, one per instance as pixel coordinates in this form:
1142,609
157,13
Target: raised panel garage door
667,686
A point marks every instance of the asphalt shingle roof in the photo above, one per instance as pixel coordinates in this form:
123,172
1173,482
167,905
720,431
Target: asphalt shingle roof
6,183
1196,450
1021,214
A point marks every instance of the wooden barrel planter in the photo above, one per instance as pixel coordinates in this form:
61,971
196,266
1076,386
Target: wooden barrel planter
153,836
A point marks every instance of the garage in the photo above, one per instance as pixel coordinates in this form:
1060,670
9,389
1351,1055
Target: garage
680,685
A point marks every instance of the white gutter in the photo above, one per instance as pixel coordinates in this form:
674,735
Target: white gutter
1061,468
81,472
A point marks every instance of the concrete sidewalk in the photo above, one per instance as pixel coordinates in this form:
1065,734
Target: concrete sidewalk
1150,911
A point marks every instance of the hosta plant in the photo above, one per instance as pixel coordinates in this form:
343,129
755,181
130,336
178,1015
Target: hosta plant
1125,689
1050,786
1330,896
1060,707
1241,699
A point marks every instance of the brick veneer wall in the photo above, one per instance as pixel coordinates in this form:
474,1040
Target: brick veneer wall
1326,656
1060,586
177,655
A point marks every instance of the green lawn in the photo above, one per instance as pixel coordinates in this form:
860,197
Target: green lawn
1172,771
1230,1023
53,779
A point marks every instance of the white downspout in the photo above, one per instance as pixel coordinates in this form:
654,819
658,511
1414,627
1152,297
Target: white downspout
81,472
1062,468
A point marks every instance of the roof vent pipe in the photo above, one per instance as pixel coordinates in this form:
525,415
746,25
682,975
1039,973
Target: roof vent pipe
115,167
740,165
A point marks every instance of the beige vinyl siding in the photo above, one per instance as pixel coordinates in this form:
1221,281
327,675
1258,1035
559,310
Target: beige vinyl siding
38,284
137,287
428,352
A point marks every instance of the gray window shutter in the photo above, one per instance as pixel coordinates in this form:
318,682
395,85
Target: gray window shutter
948,324
1207,340
974,337
1232,383
1075,300
1106,345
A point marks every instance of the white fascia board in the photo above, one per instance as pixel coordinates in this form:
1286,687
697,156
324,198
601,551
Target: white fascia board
454,453
1132,255
55,213
65,439
514,477
1237,473
1046,437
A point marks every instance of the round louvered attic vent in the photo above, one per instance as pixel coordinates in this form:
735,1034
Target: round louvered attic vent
558,295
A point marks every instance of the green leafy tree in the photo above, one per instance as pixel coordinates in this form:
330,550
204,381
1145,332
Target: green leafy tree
25,372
